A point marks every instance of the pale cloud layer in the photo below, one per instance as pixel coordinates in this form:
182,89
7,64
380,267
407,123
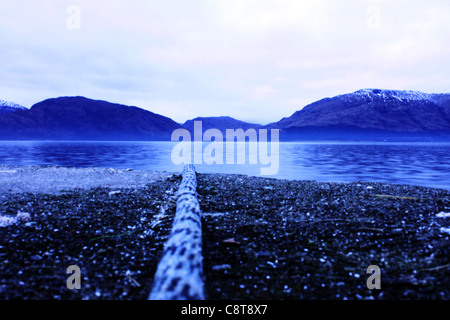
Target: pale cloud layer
256,60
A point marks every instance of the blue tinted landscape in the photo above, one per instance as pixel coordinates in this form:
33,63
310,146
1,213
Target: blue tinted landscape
235,151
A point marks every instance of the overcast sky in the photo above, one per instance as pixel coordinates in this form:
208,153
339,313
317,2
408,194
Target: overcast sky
255,60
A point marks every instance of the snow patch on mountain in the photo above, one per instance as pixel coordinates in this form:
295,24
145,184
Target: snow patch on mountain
399,94
10,105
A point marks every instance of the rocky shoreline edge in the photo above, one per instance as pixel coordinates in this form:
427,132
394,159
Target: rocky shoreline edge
263,238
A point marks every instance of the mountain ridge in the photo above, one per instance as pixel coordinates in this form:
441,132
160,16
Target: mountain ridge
222,123
80,118
366,114
388,112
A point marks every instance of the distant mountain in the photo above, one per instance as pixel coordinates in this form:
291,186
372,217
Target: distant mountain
8,107
221,123
367,114
371,114
80,118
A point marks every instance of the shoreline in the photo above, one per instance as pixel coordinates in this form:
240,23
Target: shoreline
57,179
263,238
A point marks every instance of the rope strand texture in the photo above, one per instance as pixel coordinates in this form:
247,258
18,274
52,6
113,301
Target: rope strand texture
179,275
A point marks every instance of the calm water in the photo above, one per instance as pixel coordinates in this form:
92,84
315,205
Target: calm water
426,164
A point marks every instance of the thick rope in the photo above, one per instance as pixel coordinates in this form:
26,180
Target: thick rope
179,275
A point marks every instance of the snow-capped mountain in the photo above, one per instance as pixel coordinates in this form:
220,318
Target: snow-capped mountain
399,94
375,112
8,107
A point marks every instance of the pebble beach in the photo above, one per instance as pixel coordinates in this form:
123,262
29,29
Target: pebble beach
263,238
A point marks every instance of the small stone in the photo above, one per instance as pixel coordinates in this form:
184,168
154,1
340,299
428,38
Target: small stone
230,241
443,214
23,216
221,267
36,257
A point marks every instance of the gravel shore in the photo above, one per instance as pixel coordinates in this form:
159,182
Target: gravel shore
262,238
55,179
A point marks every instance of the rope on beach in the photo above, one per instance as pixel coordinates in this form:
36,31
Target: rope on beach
179,275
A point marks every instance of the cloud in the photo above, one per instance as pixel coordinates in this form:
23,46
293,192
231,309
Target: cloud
256,60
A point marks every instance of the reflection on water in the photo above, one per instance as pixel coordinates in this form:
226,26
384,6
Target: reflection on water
425,164
138,155
409,163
